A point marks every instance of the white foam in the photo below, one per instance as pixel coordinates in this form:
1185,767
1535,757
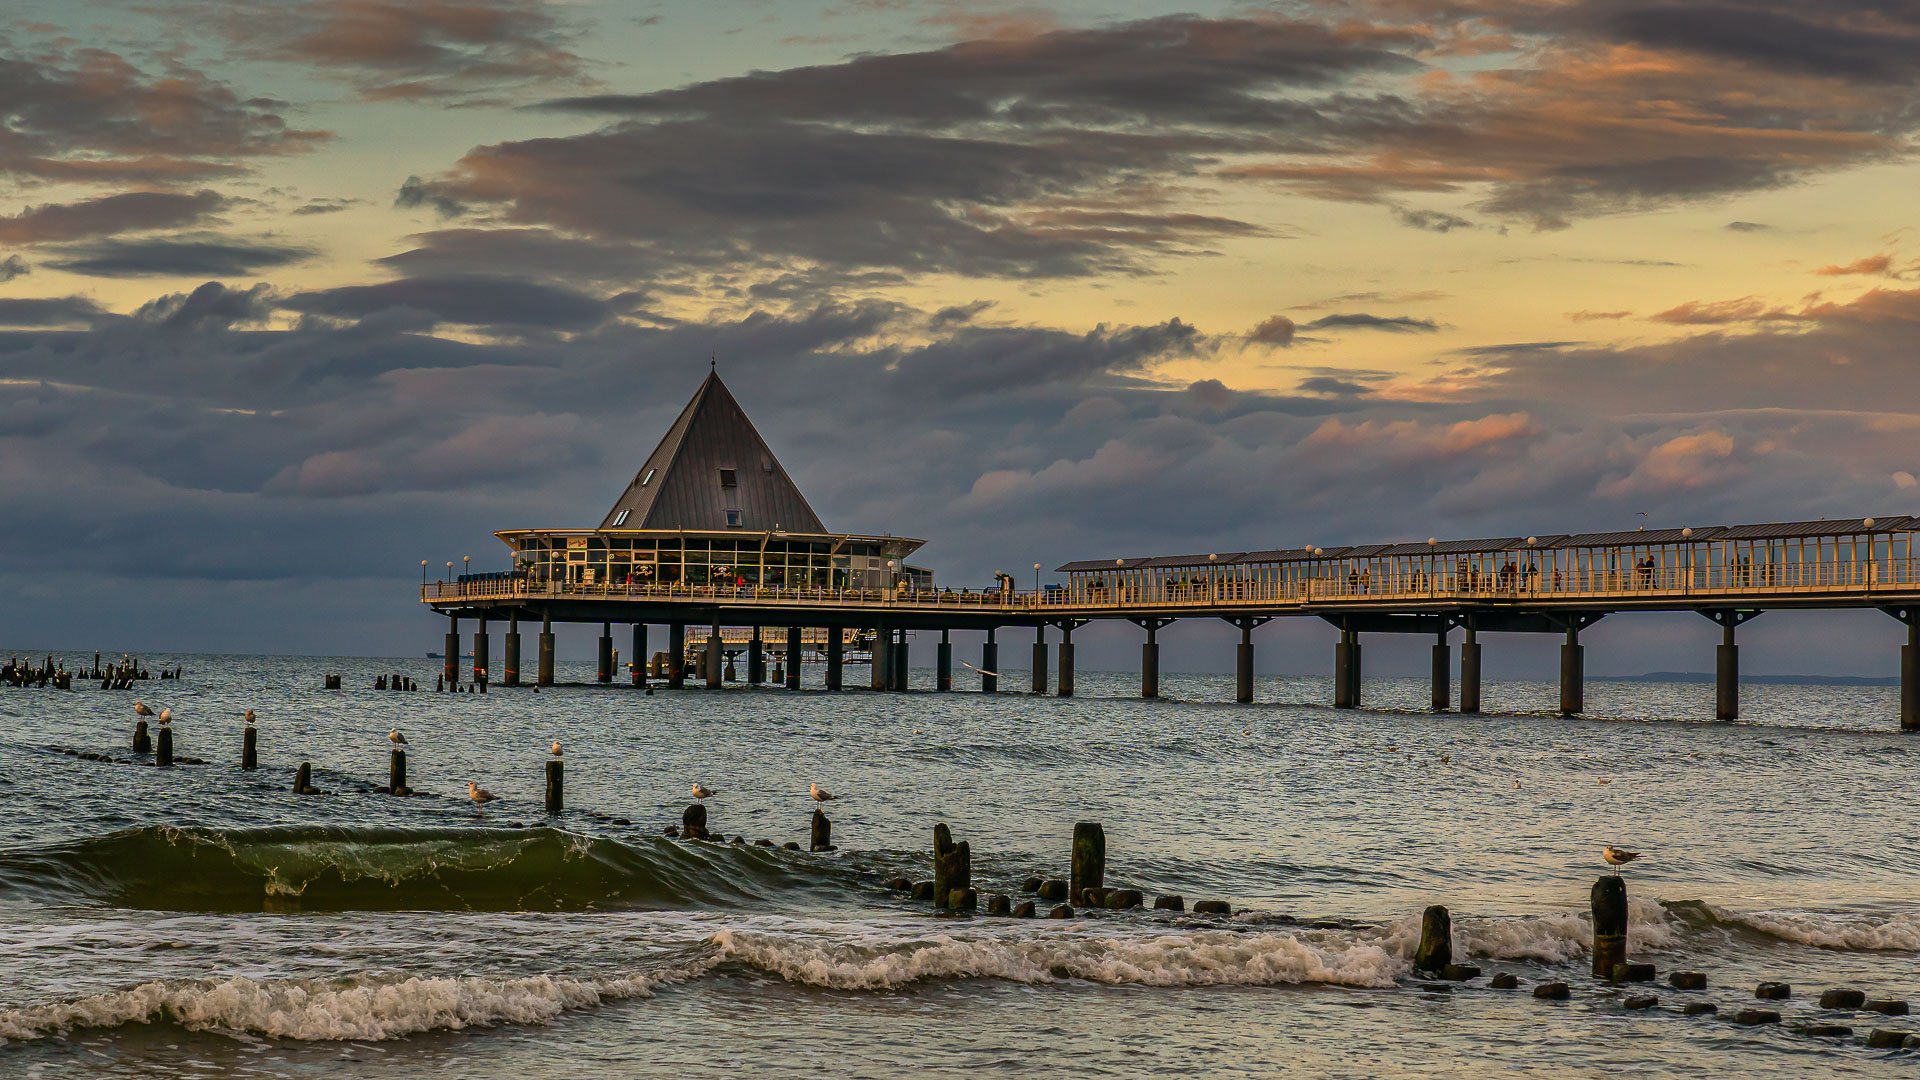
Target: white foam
1556,937
1899,932
370,1009
1200,958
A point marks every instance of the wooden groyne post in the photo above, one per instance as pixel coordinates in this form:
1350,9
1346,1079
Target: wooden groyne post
1609,925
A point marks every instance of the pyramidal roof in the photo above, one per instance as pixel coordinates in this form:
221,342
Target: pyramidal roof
712,461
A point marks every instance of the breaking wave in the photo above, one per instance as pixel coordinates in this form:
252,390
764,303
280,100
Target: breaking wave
1856,932
370,869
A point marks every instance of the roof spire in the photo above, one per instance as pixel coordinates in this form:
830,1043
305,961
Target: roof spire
713,361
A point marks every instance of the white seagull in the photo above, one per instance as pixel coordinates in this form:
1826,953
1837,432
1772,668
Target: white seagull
1617,856
396,738
141,708
249,717
556,748
166,717
480,796
820,794
702,792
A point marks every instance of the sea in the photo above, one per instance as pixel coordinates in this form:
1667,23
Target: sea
202,920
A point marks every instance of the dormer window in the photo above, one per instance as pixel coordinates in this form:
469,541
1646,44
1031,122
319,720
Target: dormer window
733,519
621,518
727,479
647,479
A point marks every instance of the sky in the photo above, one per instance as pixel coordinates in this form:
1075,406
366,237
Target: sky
295,294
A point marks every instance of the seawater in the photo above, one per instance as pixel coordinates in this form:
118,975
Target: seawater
205,921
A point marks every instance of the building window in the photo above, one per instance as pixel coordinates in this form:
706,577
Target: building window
733,519
727,479
621,518
647,479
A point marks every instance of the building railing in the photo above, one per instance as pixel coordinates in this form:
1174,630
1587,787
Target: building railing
1730,583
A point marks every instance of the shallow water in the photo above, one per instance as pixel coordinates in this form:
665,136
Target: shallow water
203,920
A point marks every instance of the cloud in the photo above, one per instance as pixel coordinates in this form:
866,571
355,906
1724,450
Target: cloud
959,314
464,300
47,311
1273,330
1430,220
1394,324
91,116
1748,227
1714,313
1328,384
129,212
323,206
13,266
212,306
175,256
396,50
1879,265
1596,316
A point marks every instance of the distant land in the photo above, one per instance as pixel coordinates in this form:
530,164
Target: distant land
1786,680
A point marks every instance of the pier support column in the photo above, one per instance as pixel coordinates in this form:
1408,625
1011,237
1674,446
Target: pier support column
480,652
1066,659
898,658
1726,663
605,673
639,663
1442,674
943,663
544,675
510,660
989,665
1040,658
835,646
792,659
882,665
1150,658
1243,661
716,655
1343,663
756,660
1573,674
1470,673
451,667
677,655
1910,675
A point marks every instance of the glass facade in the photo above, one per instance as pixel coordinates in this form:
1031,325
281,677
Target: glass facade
752,560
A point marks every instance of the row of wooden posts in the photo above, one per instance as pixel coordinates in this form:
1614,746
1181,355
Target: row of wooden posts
1434,957
51,673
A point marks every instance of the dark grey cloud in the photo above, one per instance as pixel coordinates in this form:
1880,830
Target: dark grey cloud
1274,330
47,311
174,256
465,300
1430,220
1870,42
211,306
314,207
959,314
1328,384
13,266
1359,320
131,211
1748,226
89,115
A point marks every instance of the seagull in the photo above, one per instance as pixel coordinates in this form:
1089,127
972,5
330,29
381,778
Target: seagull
820,794
1617,857
249,717
479,795
700,792
1446,759
396,738
556,748
141,708
1605,780
166,716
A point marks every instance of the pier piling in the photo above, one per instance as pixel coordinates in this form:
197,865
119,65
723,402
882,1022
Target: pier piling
510,656
1442,673
397,772
1609,924
882,674
1040,658
450,666
249,749
1066,659
556,785
638,664
1089,865
1470,673
480,651
943,663
836,657
544,677
756,660
1346,657
1572,665
1150,659
1910,671
1436,940
677,655
898,657
792,658
605,654
989,665
1243,662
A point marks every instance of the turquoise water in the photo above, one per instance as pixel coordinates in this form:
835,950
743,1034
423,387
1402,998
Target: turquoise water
204,920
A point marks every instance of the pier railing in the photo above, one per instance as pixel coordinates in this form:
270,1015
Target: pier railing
1730,584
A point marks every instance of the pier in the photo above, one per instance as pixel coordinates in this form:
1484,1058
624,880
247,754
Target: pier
712,535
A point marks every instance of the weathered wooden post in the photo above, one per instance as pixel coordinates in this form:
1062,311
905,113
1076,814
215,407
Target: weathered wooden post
942,852
303,778
1436,940
693,822
163,751
249,750
1089,868
556,785
142,741
822,839
397,772
1609,925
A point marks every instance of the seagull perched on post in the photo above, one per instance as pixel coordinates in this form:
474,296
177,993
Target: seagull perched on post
1617,856
480,796
702,792
820,794
556,748
141,708
166,717
396,738
249,717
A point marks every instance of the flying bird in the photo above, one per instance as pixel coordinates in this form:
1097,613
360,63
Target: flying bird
556,748
820,794
396,738
480,796
166,717
1616,856
701,792
141,708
